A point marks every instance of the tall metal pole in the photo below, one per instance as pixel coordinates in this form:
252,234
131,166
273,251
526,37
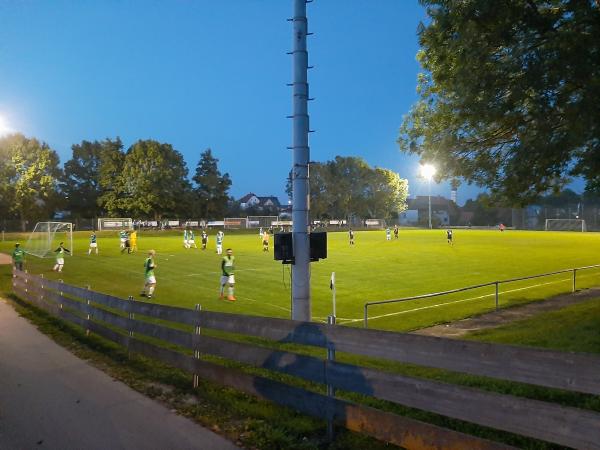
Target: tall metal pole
429,197
301,307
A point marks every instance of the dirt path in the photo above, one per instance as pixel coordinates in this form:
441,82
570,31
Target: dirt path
494,319
5,259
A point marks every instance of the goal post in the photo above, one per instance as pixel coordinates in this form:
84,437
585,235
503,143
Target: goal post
115,223
565,225
47,236
375,223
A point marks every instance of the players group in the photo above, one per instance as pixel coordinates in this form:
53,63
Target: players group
128,242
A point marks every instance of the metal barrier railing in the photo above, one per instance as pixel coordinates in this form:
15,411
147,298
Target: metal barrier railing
496,284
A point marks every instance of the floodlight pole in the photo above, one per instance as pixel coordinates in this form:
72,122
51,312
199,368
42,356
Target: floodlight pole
301,307
429,199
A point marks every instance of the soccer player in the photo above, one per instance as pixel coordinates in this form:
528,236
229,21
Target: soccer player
127,245
149,278
395,231
265,241
220,236
351,236
60,257
185,239
449,236
123,238
260,232
191,239
388,234
227,277
204,239
501,227
133,241
93,244
18,257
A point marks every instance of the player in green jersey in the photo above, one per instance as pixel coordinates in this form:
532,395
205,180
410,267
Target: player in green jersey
93,244
150,279
227,276
18,257
60,257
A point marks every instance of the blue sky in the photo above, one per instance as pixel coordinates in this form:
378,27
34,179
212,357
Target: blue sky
203,73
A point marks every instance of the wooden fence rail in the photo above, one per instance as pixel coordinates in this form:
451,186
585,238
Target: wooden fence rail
111,318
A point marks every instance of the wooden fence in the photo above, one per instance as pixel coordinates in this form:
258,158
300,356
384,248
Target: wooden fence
128,322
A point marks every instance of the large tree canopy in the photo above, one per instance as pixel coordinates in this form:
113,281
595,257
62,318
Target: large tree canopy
348,186
211,187
510,94
29,178
83,185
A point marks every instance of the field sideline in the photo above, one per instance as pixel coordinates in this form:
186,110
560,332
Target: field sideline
419,262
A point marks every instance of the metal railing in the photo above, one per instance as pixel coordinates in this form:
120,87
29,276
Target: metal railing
496,284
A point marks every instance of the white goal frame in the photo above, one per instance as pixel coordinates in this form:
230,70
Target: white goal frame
115,223
49,229
375,223
565,225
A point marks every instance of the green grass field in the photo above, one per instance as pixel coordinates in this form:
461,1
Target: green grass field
419,262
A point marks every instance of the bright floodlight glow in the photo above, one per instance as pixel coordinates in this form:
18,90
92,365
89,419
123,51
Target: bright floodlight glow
427,171
4,128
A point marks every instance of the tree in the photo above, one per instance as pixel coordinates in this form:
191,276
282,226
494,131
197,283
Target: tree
211,187
509,94
82,176
153,181
387,194
348,186
110,181
30,176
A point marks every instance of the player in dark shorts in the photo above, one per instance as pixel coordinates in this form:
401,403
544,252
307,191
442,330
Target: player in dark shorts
395,231
449,236
204,239
351,236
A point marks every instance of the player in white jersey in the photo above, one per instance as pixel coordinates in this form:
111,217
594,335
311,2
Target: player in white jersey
220,236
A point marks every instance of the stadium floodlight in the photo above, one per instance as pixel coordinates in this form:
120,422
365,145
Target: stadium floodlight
427,172
4,128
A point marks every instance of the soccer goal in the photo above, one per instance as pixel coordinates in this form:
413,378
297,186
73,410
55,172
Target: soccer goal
118,223
47,236
565,225
375,223
261,221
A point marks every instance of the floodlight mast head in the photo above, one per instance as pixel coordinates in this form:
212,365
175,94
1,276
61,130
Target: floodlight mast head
427,171
4,128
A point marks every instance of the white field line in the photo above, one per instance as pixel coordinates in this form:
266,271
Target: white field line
458,301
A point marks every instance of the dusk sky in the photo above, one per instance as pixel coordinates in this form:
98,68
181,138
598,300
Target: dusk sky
203,73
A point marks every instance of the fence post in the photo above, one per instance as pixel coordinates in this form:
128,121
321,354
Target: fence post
196,351
574,279
26,281
61,295
87,316
497,294
131,317
366,325
330,388
42,287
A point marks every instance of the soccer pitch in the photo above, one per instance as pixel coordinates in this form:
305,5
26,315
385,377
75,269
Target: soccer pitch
419,262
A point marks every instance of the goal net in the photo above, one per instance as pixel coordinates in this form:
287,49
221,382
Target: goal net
261,221
565,225
118,223
47,236
375,223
